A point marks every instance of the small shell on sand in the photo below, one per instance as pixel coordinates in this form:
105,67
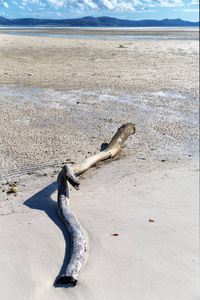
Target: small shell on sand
150,220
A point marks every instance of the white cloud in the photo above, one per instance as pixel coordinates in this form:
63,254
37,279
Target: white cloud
56,3
164,3
127,6
194,2
88,6
37,3
112,5
108,4
117,5
4,4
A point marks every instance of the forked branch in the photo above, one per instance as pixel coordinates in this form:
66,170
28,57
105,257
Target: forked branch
66,176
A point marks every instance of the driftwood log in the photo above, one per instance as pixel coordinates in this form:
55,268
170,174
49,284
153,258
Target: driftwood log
66,176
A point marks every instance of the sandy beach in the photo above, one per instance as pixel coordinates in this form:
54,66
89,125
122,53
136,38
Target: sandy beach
61,98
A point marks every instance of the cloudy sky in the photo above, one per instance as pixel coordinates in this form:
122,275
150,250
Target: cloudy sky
123,9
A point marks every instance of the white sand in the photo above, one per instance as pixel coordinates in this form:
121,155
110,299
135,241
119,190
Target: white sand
146,261
155,176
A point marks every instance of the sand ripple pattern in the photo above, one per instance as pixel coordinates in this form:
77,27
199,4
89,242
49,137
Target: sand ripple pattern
43,128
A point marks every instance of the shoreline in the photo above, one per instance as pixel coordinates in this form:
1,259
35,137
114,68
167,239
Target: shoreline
124,33
187,28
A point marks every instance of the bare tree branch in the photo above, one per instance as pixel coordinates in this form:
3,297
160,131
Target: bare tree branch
66,176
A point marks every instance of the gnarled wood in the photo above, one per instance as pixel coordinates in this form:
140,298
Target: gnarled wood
66,176
113,148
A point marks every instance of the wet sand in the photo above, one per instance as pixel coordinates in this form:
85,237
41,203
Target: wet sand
61,99
178,32
64,97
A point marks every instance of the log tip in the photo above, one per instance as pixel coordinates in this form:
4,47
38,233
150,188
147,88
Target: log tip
129,127
63,280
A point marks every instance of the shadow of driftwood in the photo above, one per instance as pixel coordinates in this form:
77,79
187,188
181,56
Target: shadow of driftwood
43,201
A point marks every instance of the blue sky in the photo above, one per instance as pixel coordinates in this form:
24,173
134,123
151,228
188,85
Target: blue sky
125,9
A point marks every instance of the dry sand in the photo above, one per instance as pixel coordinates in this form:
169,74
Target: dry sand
60,99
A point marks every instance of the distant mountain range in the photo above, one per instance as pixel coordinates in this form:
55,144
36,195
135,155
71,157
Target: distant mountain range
97,22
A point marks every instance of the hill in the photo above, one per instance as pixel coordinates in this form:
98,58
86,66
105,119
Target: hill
97,22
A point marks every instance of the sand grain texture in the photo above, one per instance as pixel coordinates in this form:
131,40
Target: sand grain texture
62,98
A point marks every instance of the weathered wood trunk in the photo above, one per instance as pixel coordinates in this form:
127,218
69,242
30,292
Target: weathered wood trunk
76,234
66,176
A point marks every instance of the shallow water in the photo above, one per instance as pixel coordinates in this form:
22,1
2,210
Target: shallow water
183,37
